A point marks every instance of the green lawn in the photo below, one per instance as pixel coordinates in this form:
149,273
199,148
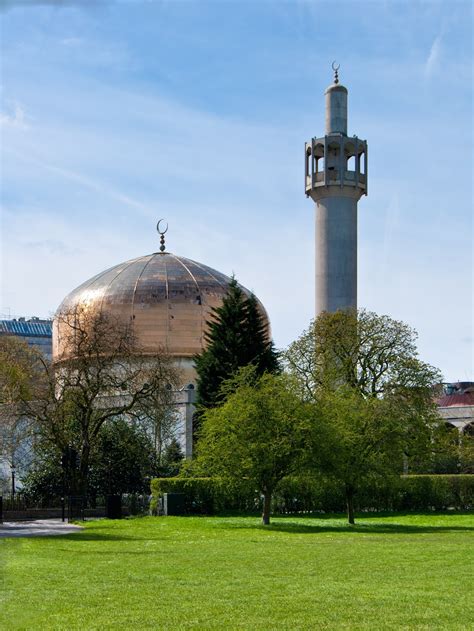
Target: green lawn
391,572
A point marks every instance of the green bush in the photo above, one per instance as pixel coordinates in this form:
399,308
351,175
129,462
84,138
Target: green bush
435,492
305,494
206,495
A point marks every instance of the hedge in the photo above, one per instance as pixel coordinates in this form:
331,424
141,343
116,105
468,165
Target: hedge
410,493
304,494
207,495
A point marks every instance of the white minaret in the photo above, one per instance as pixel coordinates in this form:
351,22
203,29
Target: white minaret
336,178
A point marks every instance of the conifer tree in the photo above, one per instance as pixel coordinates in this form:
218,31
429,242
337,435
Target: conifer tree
237,336
260,349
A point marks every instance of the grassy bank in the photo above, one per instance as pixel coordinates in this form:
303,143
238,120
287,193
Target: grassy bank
402,571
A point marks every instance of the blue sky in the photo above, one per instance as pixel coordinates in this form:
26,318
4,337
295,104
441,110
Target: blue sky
114,114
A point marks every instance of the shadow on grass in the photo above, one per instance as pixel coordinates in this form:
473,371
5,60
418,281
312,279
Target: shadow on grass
290,524
90,535
394,529
287,523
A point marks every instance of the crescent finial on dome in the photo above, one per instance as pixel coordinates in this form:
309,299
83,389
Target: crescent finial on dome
162,234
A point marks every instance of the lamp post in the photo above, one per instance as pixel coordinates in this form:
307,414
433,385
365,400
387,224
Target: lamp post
13,469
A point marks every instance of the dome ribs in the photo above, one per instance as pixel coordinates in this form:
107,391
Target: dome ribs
167,298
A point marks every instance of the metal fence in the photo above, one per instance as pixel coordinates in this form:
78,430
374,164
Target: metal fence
72,508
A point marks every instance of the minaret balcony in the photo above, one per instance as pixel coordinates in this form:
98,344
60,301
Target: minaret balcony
327,158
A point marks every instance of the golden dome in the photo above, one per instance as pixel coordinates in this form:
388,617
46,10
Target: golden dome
167,299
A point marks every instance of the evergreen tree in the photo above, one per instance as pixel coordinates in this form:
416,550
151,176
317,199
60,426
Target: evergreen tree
260,349
173,458
237,336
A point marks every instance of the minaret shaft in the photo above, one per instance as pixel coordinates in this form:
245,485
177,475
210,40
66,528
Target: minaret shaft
336,178
336,254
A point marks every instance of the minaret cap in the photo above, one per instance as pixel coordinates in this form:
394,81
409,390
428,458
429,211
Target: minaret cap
336,105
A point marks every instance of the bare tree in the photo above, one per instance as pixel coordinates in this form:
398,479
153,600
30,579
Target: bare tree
157,413
99,373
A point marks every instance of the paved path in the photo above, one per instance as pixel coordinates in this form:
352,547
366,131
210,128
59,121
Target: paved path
37,528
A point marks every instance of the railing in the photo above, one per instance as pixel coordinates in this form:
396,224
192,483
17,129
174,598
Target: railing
19,508
18,502
333,178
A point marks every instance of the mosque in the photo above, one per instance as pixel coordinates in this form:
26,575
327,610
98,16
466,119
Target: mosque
168,298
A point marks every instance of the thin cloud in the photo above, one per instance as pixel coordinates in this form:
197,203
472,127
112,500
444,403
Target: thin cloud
85,181
72,41
15,118
6,5
97,186
52,246
433,58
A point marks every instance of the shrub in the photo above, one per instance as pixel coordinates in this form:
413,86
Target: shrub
435,492
206,495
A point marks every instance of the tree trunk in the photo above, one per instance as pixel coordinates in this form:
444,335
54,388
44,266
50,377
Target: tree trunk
350,503
267,500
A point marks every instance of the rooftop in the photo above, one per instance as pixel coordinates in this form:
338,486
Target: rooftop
33,327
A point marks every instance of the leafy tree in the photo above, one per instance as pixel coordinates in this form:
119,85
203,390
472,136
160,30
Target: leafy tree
451,451
365,439
370,391
237,335
44,482
124,459
466,450
258,433
20,368
121,461
375,355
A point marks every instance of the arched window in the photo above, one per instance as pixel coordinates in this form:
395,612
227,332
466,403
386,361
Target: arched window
319,158
308,162
469,430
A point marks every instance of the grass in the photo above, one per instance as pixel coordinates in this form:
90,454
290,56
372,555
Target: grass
389,572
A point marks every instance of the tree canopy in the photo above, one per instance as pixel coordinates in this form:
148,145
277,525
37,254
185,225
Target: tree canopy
370,391
258,433
21,369
365,439
373,354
